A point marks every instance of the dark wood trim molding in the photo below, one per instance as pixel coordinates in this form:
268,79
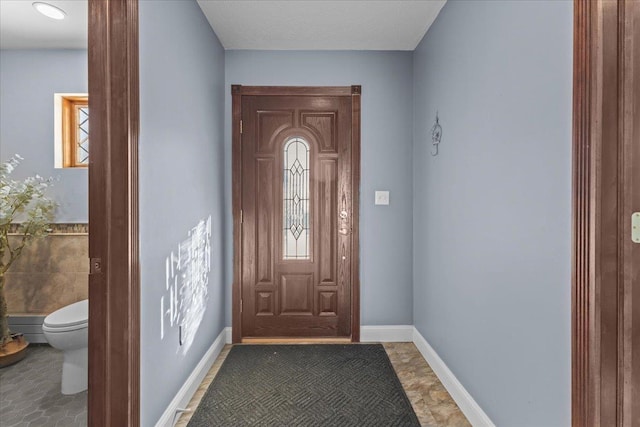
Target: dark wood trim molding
606,265
236,105
114,281
237,91
295,90
356,92
629,320
582,221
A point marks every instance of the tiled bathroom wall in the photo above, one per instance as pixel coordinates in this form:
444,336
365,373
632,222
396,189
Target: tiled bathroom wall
52,272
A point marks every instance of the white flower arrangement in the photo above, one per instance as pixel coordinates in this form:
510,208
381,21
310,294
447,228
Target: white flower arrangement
24,203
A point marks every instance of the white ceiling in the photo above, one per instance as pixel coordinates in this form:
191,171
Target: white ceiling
249,24
22,27
322,25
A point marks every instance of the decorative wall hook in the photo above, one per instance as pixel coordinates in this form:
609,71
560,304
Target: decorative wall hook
436,135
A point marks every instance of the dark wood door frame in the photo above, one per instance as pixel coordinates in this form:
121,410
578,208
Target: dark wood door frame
237,91
114,281
606,190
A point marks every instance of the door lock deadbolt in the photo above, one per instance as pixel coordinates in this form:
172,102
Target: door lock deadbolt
96,266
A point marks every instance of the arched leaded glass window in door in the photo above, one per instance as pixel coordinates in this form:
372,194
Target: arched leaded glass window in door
295,192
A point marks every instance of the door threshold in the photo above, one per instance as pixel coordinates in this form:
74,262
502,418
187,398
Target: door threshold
296,340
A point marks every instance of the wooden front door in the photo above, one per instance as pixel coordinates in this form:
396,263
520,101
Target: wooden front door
297,216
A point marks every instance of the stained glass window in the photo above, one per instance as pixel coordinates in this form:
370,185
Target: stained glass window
296,199
82,135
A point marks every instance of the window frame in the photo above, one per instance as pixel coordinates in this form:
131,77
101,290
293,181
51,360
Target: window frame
66,116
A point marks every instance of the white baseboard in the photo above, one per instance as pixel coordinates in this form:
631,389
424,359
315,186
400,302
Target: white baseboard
386,333
467,405
30,326
182,398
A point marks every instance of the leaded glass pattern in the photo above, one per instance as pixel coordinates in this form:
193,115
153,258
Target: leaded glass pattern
82,135
296,200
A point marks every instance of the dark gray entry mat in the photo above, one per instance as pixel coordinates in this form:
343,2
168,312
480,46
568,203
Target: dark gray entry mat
305,385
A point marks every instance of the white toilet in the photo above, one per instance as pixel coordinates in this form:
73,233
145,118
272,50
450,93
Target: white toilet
67,329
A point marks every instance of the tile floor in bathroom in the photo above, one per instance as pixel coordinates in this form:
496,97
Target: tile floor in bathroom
30,393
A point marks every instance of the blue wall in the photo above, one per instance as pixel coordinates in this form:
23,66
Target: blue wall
181,181
28,80
385,272
492,212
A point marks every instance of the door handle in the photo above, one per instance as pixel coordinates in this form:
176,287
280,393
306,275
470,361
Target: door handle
343,228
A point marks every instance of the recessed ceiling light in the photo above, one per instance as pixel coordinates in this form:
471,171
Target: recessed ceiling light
49,11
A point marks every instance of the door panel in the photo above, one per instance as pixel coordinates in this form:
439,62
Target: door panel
296,294
327,208
264,218
270,124
296,201
322,124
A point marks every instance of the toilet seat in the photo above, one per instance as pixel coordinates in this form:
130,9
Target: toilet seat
59,329
69,318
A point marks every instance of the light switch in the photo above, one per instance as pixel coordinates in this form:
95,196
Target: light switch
382,197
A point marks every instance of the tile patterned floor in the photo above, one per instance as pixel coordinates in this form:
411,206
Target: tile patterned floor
431,402
30,393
